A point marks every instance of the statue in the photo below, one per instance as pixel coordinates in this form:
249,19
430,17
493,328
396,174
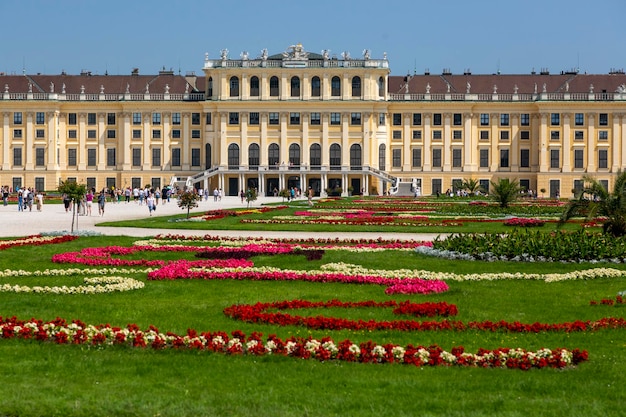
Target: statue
101,89
127,88
495,89
82,89
621,89
30,87
566,86
428,88
264,54
385,56
52,87
590,88
515,89
535,88
63,89
544,88
448,86
468,88
325,54
224,54
345,55
296,52
206,56
6,88
167,88
244,55
147,88
366,54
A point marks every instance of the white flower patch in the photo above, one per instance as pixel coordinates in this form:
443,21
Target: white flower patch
97,285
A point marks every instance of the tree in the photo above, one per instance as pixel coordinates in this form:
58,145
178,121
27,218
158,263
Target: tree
251,196
75,192
595,200
505,191
188,200
471,185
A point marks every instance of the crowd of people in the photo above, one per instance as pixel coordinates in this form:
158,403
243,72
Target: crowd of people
26,198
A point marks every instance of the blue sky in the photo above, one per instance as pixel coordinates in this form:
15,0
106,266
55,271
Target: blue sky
513,36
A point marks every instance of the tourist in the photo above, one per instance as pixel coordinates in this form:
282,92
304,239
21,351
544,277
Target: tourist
101,202
39,200
5,195
89,201
150,201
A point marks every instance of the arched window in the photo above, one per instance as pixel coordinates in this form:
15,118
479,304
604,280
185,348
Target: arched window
335,156
207,156
316,87
210,87
294,156
233,156
382,150
315,156
234,87
355,157
295,87
381,87
253,156
356,86
335,87
274,87
273,156
254,86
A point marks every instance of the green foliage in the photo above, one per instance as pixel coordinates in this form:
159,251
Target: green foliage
284,193
471,185
75,192
505,191
596,201
188,200
251,195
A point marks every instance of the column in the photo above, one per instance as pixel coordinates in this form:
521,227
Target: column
616,136
325,146
345,145
427,151
101,138
185,147
543,143
29,134
243,120
471,143
125,141
6,140
82,146
56,130
591,144
447,150
221,140
567,151
263,141
406,142
515,143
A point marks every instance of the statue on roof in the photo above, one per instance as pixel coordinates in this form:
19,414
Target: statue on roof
428,88
264,54
52,87
326,54
296,52
468,87
30,87
366,54
244,55
345,55
63,88
224,54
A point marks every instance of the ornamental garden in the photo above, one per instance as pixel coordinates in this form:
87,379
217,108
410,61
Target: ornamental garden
514,310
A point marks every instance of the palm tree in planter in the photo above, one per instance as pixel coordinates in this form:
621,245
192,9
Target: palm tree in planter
596,201
505,191
471,185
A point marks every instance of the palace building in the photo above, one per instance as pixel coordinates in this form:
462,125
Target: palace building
338,124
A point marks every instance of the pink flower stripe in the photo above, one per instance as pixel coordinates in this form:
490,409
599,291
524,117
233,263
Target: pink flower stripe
182,270
60,331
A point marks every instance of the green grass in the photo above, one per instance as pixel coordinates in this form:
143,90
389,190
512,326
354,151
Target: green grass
49,380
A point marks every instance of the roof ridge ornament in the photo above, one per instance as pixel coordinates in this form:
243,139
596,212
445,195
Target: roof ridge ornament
295,53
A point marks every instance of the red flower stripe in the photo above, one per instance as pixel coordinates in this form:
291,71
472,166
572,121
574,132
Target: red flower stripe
35,240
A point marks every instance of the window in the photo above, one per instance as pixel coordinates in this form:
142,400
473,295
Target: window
71,157
484,135
253,156
17,182
524,134
274,119
356,86
396,158
355,119
484,158
603,135
524,184
417,134
274,84
579,135
417,119
195,134
40,118
175,118
294,118
436,186
316,118
579,119
555,135
316,87
233,118
335,87
315,156
40,183
234,86
457,119
578,186
175,157
156,118
417,158
110,133
603,158
273,155
603,119
136,133
436,134
456,158
504,119
382,119
381,87
110,118
295,87
175,133
195,118
254,87
155,183
397,134
504,135
208,119
40,157
195,157
135,182
437,158
484,119
40,133
437,119
71,119
91,157
72,134
579,158
91,118
17,156
17,118
382,157
110,182
524,119
335,156
137,118
335,118
156,157
17,133
555,119
504,158
524,158
555,158
254,118
397,119
111,157
136,157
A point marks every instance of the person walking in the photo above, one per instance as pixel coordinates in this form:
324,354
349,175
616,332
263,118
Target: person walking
89,202
150,201
102,198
